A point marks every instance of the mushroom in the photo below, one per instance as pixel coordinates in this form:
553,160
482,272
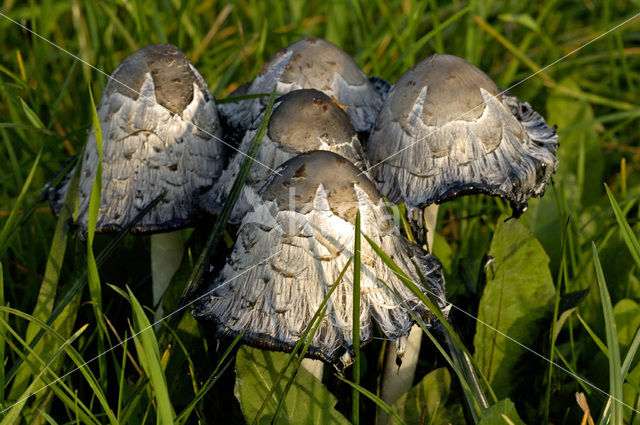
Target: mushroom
311,63
159,122
302,121
293,246
446,130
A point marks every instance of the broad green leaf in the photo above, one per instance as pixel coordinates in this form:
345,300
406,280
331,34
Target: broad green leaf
501,413
627,314
308,400
519,292
545,221
425,402
149,355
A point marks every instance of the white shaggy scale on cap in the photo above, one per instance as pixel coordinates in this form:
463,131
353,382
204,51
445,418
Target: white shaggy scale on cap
311,63
287,257
148,114
445,130
302,121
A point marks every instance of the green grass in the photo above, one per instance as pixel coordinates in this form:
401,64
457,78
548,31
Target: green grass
60,307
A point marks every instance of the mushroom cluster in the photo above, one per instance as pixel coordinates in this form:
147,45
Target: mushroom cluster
442,130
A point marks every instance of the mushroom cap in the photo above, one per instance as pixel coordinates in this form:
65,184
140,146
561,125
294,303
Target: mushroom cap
302,121
302,175
446,130
287,256
307,119
311,63
452,92
159,122
172,73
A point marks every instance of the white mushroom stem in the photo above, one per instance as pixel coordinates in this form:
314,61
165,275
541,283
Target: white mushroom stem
314,367
398,380
166,256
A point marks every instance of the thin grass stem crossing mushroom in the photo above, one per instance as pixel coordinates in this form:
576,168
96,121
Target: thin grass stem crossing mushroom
311,63
159,122
446,130
293,246
302,121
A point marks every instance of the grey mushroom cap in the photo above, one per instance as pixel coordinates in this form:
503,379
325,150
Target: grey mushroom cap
292,248
446,130
159,125
311,63
302,121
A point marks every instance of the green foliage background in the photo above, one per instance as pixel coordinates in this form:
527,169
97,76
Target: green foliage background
180,374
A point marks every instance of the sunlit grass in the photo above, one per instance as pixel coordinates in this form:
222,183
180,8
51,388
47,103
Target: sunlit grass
48,315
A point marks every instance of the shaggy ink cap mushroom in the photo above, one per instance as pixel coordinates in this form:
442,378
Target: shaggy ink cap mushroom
291,249
159,122
302,121
446,130
312,63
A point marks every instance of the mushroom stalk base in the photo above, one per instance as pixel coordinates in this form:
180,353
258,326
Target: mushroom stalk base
315,367
398,380
166,256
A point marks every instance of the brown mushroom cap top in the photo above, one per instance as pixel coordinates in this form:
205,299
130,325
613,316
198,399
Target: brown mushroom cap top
304,117
452,91
315,61
170,69
304,173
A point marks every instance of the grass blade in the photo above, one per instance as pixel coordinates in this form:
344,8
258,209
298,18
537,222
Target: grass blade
149,354
73,354
213,378
93,276
371,396
94,207
3,316
13,216
12,412
48,288
627,233
477,401
80,282
615,381
356,322
553,336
